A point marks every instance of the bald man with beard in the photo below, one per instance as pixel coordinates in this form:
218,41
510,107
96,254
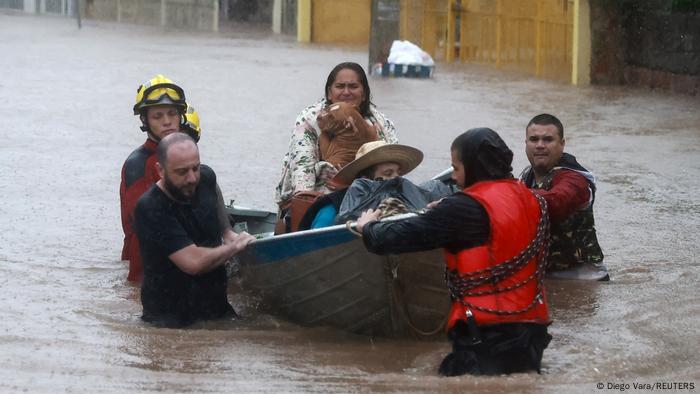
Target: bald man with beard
182,240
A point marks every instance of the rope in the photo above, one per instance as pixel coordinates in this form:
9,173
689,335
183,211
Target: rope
397,290
390,206
350,225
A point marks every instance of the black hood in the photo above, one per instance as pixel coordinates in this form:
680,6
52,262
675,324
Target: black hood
484,155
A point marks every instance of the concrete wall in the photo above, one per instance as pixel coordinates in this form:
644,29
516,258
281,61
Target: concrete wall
192,14
646,42
660,39
607,54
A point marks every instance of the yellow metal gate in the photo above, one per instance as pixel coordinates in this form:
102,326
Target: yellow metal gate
533,36
424,23
545,38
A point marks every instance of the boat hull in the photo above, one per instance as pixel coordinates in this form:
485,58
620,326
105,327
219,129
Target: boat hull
326,277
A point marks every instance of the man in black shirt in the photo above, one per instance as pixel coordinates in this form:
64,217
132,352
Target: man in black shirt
181,240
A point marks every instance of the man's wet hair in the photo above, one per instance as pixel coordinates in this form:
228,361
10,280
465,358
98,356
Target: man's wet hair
364,107
545,120
164,144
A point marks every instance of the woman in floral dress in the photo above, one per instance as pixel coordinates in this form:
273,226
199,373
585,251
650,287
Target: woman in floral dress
303,169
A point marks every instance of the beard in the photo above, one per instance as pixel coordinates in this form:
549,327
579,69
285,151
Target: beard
182,194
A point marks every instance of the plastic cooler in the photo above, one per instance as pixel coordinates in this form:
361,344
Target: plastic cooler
406,70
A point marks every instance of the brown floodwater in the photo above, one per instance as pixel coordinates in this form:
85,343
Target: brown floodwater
69,321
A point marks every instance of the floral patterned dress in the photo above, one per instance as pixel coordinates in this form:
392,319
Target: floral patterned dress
302,165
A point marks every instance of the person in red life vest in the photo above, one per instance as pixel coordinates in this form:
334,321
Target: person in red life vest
569,190
162,109
495,235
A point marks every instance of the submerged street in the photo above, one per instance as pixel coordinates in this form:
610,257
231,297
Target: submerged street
69,320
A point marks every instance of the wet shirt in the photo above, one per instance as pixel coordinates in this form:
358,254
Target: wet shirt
169,296
457,222
302,164
138,174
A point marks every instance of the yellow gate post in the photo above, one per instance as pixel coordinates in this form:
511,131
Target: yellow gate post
538,40
581,53
451,19
304,20
403,19
499,32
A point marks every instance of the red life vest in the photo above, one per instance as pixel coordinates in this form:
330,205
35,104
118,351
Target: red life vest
514,214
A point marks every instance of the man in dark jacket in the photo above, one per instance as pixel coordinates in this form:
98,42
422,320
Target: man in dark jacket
570,192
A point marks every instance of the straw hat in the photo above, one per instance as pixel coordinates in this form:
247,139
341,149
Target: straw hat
377,152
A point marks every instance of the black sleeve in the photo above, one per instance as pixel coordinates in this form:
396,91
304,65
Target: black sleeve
457,222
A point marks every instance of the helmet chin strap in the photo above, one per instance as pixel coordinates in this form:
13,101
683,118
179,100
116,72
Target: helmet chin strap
144,127
151,136
144,124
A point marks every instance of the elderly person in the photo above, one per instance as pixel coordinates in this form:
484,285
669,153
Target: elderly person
375,162
304,169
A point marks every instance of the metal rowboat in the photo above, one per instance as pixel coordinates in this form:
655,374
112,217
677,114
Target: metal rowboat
326,277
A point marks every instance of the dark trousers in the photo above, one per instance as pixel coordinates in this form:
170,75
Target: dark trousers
498,349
